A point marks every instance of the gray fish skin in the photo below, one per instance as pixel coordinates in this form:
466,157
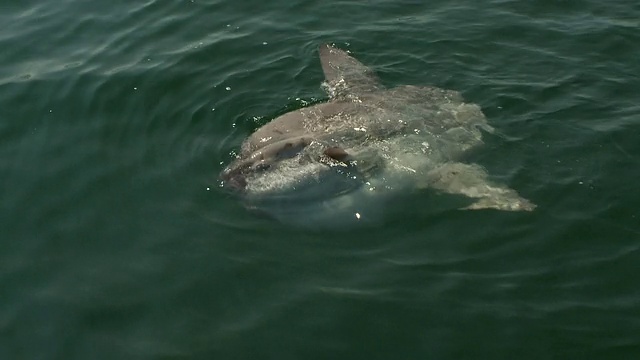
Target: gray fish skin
406,137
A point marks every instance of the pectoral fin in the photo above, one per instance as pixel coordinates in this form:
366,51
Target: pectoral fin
336,153
364,163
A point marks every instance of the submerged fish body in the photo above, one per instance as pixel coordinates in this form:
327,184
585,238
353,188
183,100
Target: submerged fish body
363,145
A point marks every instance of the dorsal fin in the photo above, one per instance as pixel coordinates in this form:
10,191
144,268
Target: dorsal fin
344,74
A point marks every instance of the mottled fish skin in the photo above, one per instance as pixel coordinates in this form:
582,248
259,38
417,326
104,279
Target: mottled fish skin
416,135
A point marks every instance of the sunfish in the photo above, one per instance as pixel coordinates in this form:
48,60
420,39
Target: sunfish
365,142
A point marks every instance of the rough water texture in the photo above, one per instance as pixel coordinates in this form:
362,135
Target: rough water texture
116,118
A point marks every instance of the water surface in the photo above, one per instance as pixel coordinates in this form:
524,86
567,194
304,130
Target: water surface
115,242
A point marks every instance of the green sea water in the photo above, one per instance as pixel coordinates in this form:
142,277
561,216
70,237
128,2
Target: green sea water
116,241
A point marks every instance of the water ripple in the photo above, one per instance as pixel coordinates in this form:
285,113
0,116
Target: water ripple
116,117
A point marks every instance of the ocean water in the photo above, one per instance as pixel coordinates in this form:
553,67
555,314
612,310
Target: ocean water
117,243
